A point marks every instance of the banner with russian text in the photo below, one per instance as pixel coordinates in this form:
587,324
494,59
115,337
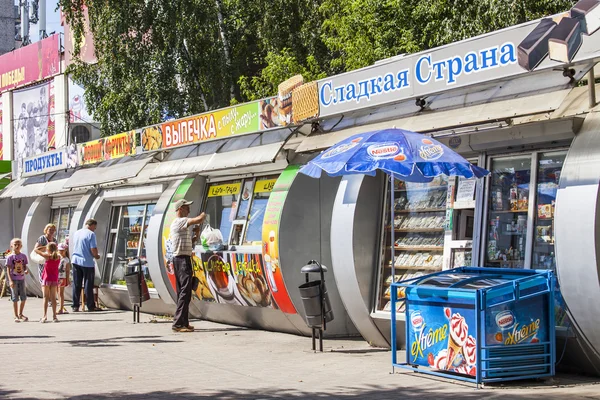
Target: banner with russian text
29,64
50,161
108,148
33,122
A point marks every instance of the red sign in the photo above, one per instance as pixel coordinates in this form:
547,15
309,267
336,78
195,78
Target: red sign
29,64
86,49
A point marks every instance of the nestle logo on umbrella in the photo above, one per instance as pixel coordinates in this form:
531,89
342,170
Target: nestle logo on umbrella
505,320
384,150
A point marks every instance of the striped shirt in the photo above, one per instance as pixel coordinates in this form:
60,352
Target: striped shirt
181,237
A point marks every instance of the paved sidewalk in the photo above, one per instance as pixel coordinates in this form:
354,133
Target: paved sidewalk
105,356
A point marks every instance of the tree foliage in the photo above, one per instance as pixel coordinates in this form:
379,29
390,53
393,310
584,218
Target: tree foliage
174,58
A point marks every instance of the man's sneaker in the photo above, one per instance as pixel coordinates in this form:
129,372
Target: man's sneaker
182,329
74,309
190,327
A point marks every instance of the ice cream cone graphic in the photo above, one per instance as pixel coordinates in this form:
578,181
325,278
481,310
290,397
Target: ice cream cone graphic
459,332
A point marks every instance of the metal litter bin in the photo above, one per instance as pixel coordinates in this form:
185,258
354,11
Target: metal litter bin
136,286
315,300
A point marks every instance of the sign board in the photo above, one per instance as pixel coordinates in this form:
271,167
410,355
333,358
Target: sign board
108,148
502,54
50,161
465,193
29,64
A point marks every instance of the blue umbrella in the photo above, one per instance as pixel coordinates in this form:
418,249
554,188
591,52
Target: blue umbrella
406,155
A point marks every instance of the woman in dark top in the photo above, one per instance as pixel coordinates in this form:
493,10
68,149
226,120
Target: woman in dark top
42,242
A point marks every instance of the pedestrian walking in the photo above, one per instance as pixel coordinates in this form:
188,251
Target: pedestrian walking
183,245
83,255
16,265
42,242
50,279
64,272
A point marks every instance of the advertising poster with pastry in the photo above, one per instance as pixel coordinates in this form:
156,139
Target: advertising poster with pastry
270,239
443,338
167,246
521,322
220,124
235,278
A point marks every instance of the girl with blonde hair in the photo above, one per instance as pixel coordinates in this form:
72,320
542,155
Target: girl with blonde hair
50,278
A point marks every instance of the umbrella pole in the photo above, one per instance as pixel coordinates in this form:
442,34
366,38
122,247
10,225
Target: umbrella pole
392,230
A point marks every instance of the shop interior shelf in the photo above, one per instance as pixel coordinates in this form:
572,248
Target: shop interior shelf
421,189
133,233
419,230
420,210
508,211
422,248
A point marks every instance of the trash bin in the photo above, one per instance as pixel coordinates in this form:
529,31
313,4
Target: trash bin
315,300
311,299
136,283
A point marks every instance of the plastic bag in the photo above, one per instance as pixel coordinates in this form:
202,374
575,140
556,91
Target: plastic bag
211,239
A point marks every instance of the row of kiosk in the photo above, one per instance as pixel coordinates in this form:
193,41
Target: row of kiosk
536,131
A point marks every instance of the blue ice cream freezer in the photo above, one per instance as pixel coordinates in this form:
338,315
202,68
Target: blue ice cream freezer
478,324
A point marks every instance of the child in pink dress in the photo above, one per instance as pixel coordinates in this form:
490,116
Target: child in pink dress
50,278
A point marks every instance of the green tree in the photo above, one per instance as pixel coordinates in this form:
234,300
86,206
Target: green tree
360,32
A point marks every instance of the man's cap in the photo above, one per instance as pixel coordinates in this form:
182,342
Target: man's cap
181,203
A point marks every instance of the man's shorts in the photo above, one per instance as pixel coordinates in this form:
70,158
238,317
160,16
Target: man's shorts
18,292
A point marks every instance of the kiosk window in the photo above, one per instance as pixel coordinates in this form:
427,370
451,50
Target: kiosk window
222,204
61,217
126,240
240,204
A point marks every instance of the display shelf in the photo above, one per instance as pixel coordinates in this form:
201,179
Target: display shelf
415,268
132,248
421,189
417,248
508,211
133,233
417,230
417,210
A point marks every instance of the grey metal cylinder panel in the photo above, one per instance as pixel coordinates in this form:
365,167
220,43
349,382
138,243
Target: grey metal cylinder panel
36,219
577,233
304,235
355,231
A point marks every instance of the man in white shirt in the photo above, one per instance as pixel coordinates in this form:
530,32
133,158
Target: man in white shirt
183,245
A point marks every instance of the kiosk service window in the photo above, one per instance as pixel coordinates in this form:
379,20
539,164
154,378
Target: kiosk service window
126,241
522,192
418,226
237,208
61,217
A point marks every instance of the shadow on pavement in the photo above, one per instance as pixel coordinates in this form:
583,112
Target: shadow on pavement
26,337
62,321
117,341
372,392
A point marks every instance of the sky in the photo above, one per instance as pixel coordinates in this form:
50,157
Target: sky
52,20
